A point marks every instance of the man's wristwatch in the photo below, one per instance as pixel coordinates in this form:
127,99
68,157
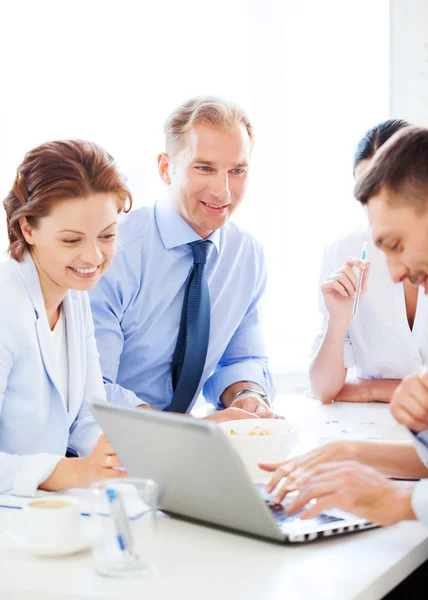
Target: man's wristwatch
252,391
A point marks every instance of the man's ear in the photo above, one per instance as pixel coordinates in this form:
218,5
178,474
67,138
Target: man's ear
163,167
27,230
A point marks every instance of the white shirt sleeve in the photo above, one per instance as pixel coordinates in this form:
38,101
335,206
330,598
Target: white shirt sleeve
420,501
328,265
26,473
420,493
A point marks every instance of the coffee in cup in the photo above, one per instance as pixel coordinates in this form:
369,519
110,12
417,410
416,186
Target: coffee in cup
52,523
49,503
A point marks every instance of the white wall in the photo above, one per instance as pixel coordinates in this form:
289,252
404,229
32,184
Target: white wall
312,75
409,60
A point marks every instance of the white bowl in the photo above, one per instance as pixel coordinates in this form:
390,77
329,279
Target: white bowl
253,449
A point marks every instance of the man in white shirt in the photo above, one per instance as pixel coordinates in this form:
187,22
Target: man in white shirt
395,191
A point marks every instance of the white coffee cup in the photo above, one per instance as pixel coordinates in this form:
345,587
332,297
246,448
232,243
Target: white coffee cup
51,523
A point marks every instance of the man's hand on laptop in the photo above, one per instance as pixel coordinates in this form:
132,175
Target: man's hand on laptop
233,413
357,489
291,473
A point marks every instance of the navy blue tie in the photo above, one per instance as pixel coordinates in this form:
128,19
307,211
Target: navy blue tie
188,360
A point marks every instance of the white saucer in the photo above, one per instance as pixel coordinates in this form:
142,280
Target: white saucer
18,542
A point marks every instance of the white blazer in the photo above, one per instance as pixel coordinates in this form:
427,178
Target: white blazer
35,426
379,343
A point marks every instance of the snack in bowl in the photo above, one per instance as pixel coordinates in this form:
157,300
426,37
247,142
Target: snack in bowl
260,440
255,431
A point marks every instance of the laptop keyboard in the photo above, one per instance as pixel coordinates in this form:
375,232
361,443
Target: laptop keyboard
303,531
279,514
300,531
281,517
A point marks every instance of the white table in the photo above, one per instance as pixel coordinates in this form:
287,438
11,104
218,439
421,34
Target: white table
199,562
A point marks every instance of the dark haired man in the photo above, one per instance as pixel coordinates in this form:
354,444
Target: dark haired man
395,191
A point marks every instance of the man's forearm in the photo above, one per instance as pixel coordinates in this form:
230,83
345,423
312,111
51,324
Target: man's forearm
368,390
394,459
229,393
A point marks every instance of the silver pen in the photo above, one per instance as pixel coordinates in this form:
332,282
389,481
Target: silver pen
359,280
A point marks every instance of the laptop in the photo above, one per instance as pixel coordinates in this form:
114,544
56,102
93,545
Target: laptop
202,478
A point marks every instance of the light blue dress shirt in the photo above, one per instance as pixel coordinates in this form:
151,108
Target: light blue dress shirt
137,307
420,493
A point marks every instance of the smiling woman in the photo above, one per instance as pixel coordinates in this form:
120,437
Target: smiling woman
61,217
74,244
52,173
63,209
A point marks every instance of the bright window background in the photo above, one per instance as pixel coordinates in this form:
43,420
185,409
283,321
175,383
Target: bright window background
312,75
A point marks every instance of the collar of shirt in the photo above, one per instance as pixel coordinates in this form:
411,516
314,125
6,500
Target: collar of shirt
173,229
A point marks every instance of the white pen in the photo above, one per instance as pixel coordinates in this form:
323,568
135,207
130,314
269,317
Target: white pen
360,277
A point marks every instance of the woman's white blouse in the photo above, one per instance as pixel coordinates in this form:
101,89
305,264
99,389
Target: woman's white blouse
379,343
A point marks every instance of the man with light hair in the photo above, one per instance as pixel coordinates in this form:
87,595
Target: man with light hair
178,312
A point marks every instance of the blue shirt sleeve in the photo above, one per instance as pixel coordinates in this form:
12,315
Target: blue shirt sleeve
244,358
109,300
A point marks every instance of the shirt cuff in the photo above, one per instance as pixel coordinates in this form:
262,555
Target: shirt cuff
250,370
84,437
34,470
420,442
420,501
116,394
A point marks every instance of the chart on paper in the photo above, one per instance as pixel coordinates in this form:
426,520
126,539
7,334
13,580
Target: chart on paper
344,420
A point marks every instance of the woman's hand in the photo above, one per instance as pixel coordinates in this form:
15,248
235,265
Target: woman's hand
293,472
338,289
101,463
